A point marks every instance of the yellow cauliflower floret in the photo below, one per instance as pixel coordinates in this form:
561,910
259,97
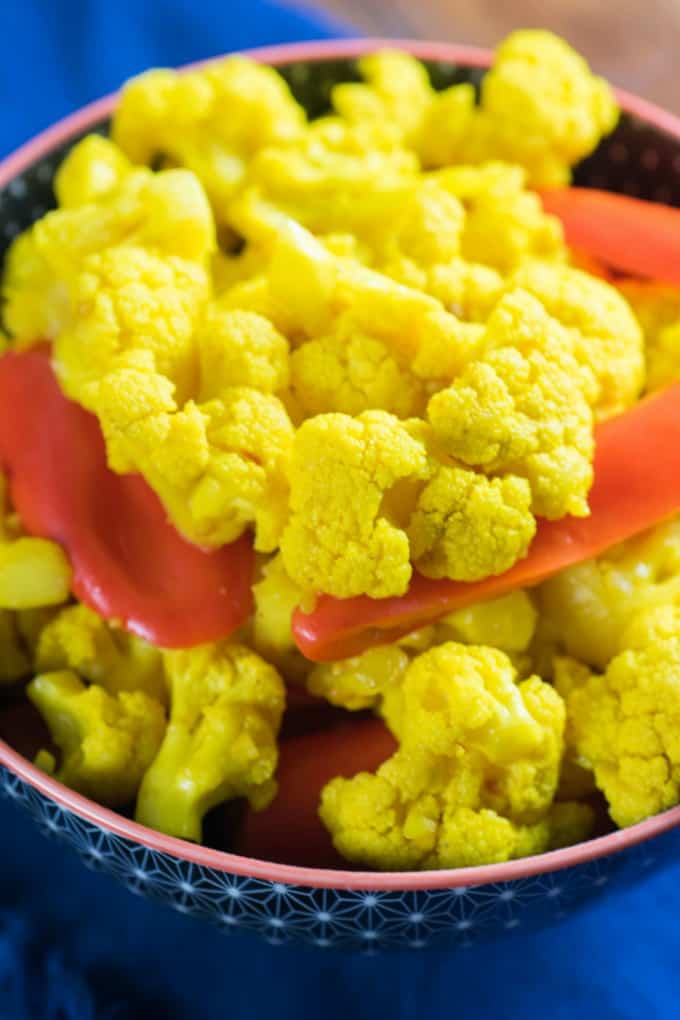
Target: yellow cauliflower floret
468,290
107,742
80,640
212,120
14,662
587,608
396,89
240,348
338,540
507,623
606,337
92,170
361,681
218,467
522,409
504,223
127,300
541,107
657,309
446,125
276,596
33,573
226,707
350,371
475,774
467,527
166,213
624,726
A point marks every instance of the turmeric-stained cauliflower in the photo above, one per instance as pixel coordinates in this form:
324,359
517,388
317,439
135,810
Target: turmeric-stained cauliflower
106,741
211,121
657,309
338,540
586,609
467,527
92,170
475,774
225,709
359,682
78,639
522,410
240,348
606,337
276,596
218,466
33,573
624,724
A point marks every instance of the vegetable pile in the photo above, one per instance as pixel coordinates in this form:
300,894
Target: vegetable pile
370,412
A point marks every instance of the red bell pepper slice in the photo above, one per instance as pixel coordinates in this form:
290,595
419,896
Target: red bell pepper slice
290,831
637,484
129,563
629,234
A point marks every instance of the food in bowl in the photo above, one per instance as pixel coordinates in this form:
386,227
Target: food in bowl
340,390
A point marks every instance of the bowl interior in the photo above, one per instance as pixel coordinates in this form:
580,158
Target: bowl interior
639,159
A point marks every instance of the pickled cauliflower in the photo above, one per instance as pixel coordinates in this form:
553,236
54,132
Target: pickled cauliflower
225,709
106,741
475,774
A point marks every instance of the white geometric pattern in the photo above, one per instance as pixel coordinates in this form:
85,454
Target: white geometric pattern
341,918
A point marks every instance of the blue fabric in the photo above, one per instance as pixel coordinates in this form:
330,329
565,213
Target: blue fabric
76,946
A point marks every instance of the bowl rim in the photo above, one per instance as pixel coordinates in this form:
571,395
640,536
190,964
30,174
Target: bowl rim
248,867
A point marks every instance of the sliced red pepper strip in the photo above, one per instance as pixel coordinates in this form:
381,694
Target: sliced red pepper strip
633,236
129,563
637,484
290,831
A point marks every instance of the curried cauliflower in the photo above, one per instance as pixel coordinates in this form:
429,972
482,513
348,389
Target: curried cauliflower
624,724
240,348
338,540
276,597
359,682
80,640
226,707
212,121
467,527
521,409
586,609
107,741
657,310
33,573
540,107
475,774
92,170
607,340
350,371
507,623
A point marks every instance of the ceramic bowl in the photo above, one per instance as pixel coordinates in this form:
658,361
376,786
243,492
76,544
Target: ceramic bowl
347,909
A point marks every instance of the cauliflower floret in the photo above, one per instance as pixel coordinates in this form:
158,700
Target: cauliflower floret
469,290
276,596
240,348
586,608
107,742
522,409
212,120
396,89
467,527
33,573
217,467
127,300
359,682
624,725
475,774
657,309
507,623
350,371
226,708
92,170
504,223
80,640
606,336
166,213
541,107
14,662
338,541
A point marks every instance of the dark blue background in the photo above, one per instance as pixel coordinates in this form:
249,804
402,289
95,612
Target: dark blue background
75,942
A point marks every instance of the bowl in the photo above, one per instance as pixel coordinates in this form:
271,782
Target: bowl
347,909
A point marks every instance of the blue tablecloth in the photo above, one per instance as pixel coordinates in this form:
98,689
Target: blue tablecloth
74,945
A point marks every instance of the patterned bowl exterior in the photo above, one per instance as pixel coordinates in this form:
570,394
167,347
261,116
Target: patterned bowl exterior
341,909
